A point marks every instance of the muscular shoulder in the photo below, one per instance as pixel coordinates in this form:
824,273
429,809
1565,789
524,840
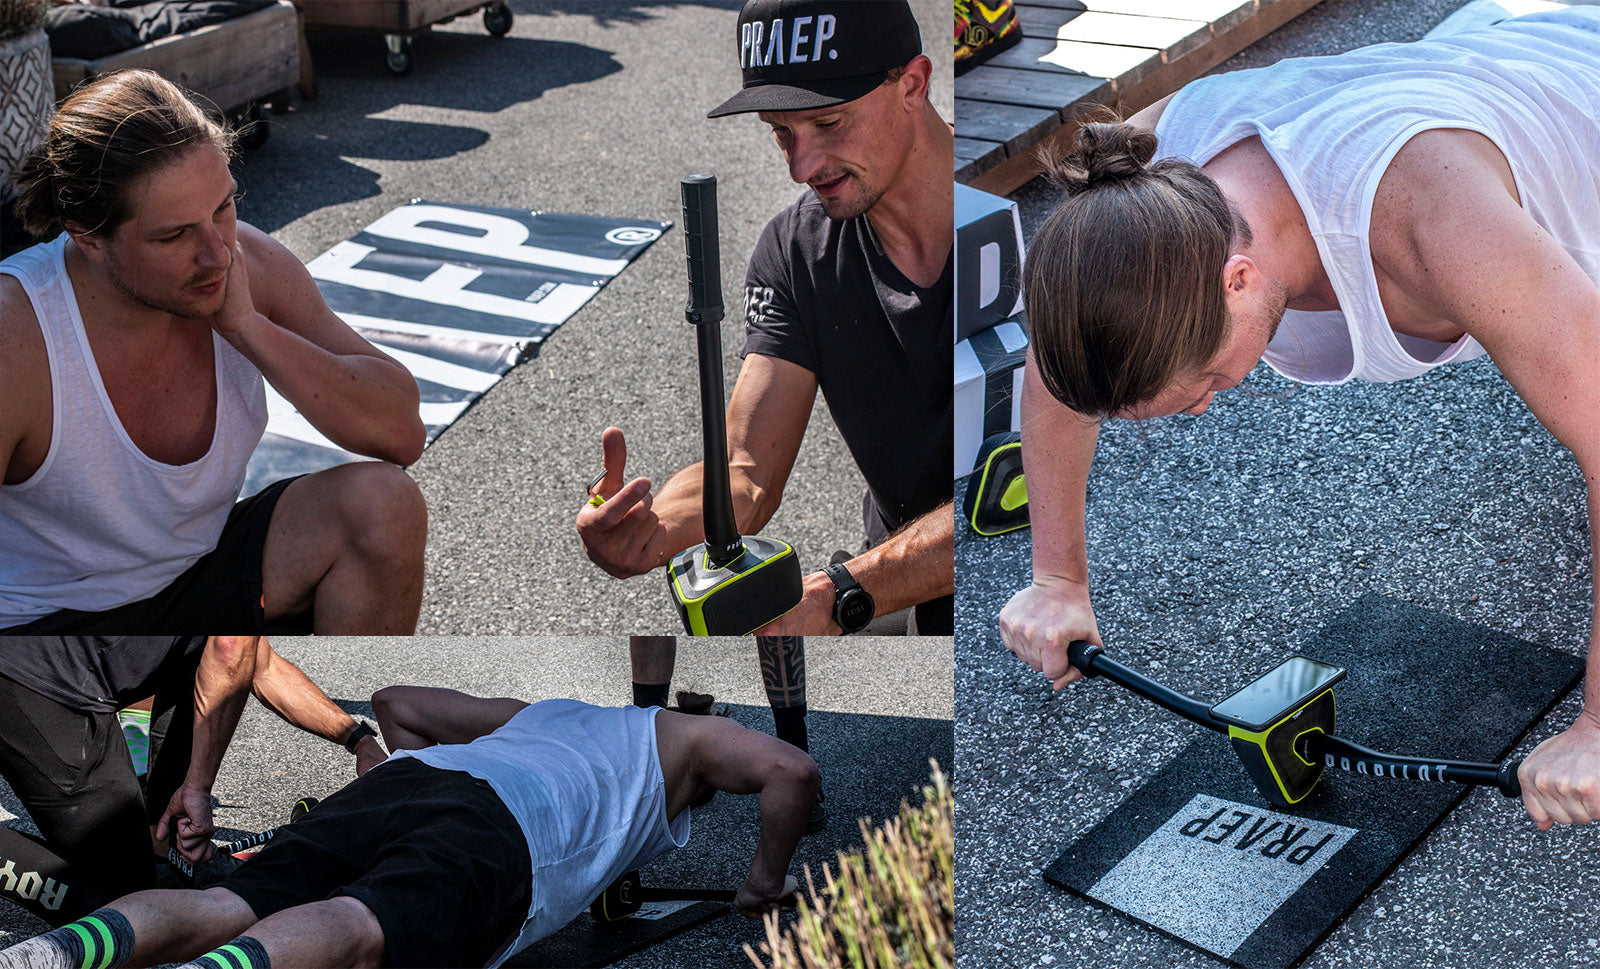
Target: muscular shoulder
1440,185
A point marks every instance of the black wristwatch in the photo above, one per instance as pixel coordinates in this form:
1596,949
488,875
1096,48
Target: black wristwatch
853,607
363,729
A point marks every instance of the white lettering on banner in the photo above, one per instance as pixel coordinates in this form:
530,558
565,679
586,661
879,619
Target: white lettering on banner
29,884
445,286
502,238
442,372
432,329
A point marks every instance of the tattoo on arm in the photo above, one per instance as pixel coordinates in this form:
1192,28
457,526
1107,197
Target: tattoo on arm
783,669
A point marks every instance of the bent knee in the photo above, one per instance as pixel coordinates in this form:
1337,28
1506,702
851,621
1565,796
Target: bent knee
383,509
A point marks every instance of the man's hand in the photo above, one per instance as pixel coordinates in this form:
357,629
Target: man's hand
369,754
1561,778
238,310
813,616
1041,621
754,900
186,824
622,535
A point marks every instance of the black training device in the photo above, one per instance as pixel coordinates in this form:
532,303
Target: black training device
996,499
1281,726
730,585
627,895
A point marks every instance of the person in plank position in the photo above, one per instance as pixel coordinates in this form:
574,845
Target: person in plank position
135,349
493,824
1372,215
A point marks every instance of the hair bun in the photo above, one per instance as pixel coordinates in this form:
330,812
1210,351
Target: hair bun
1106,151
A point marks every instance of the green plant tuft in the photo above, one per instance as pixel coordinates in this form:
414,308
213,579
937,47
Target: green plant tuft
890,904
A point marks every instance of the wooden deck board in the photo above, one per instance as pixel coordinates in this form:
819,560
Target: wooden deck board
1079,53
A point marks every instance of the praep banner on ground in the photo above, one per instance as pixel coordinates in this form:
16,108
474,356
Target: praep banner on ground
458,294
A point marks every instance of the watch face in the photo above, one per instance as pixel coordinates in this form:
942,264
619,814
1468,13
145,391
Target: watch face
855,610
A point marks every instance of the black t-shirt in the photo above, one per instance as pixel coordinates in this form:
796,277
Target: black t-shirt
822,294
95,674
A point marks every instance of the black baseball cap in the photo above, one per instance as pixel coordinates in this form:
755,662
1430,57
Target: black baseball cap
802,54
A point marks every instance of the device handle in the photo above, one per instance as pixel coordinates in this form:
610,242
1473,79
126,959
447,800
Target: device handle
1341,754
704,309
1091,660
703,248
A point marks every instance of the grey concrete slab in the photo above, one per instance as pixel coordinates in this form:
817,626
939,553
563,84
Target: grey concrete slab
590,107
1216,540
881,709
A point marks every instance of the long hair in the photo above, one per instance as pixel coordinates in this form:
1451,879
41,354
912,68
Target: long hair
106,135
1123,281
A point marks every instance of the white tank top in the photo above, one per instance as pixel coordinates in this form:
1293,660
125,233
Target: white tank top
585,785
1332,125
101,524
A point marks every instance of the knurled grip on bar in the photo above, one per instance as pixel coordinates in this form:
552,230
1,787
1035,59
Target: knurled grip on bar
701,246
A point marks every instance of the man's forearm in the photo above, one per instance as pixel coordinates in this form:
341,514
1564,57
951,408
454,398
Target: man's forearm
680,506
786,801
284,688
221,684
364,404
912,566
1057,451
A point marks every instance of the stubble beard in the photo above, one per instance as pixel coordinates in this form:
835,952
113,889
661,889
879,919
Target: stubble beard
185,310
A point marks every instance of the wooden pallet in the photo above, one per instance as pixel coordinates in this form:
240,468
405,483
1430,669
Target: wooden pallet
1077,54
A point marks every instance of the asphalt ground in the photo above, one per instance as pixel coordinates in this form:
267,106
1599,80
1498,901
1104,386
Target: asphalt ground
587,107
879,710
1220,545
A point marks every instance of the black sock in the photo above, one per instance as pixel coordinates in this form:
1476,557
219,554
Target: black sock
242,953
650,694
791,725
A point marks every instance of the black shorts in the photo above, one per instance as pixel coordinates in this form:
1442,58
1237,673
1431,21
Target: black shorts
220,594
71,770
433,853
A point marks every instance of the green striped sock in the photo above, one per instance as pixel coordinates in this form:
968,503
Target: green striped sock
242,953
103,939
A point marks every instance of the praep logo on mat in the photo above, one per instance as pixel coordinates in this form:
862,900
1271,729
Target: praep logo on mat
1217,869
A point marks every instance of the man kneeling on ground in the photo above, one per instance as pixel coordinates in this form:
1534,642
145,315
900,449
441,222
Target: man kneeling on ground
506,822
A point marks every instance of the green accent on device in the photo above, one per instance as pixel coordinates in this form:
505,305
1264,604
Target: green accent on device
738,597
1273,757
996,501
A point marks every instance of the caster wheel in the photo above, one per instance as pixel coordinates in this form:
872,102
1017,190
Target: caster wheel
251,124
497,19
398,56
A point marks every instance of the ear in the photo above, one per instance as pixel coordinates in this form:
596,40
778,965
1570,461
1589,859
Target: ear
1239,273
914,82
92,244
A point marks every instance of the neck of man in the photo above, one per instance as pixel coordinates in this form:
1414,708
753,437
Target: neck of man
1281,242
106,309
913,217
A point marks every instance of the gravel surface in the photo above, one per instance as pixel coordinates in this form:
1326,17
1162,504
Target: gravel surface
880,709
589,107
1220,544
